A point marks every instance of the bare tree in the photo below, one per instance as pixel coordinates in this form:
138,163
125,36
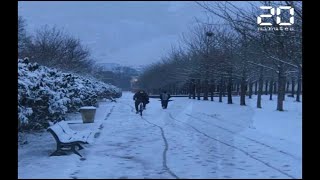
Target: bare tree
55,48
278,51
23,38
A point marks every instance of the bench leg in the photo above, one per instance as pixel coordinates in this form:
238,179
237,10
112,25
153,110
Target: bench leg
55,153
79,146
73,148
58,151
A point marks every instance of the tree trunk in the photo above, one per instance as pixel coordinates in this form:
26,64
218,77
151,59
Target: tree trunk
284,88
266,90
211,90
224,89
190,89
256,88
260,88
250,90
275,87
198,89
243,91
287,89
238,88
270,89
292,87
281,84
230,90
205,89
299,86
220,90
193,90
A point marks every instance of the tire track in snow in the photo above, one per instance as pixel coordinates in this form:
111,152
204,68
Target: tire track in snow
222,120
164,154
245,137
241,150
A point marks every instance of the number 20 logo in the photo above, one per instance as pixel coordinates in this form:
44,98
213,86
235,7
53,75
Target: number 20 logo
291,20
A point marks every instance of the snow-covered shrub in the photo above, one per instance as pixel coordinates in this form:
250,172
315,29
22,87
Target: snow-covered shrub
46,94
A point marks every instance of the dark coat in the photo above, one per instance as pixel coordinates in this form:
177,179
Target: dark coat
141,96
165,96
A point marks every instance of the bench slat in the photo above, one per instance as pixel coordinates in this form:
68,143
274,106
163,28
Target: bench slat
67,135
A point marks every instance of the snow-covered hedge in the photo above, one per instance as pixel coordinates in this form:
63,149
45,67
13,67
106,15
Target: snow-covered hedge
46,94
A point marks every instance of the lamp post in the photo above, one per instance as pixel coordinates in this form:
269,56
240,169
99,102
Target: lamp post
206,82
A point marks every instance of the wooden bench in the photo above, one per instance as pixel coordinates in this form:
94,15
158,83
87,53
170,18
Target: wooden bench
67,139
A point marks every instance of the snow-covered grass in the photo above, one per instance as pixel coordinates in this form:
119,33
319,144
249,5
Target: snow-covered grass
286,125
190,139
46,94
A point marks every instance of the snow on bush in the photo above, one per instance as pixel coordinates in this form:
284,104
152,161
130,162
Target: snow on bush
46,94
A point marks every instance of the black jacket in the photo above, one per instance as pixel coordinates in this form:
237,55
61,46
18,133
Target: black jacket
141,96
165,96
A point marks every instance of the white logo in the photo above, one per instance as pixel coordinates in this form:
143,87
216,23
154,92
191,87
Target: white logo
278,18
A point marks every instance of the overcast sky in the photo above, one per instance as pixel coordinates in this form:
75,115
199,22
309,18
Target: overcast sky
128,33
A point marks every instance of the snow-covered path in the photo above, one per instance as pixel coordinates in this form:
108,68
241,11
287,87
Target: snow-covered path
180,142
190,139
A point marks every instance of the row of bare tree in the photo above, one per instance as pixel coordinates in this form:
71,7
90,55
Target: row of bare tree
216,56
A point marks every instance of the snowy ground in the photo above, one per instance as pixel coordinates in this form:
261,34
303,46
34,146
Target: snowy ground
190,139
